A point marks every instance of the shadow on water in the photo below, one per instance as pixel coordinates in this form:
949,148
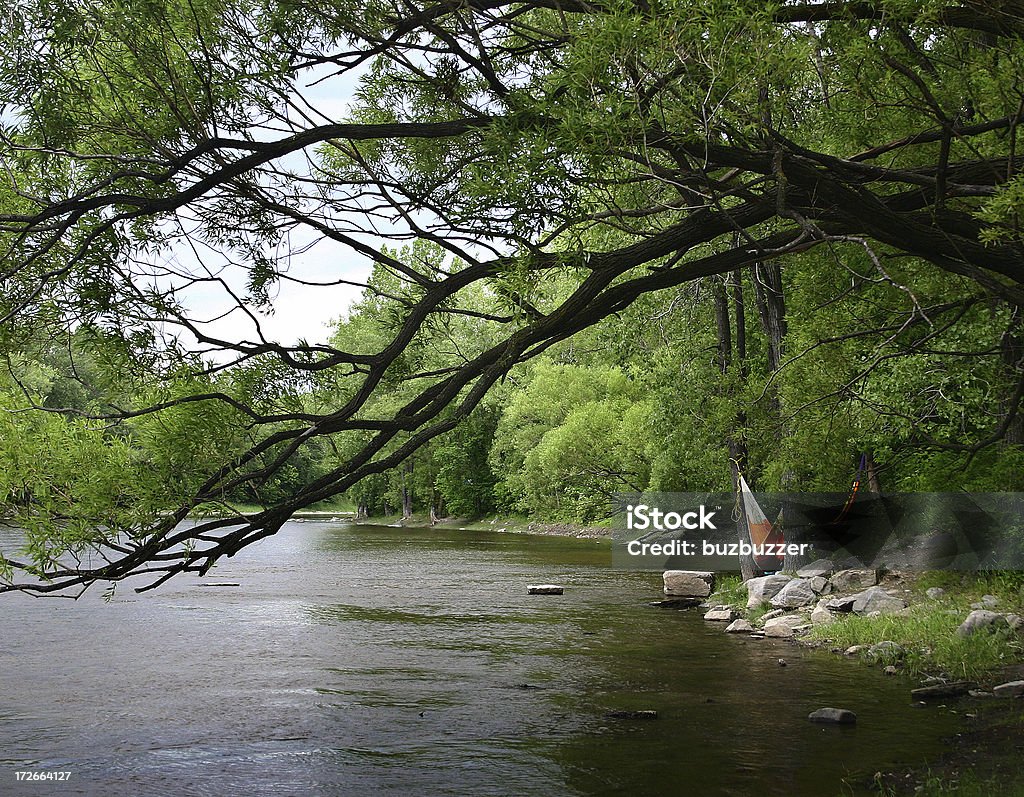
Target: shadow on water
366,660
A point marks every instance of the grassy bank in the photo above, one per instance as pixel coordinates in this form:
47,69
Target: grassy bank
510,525
926,630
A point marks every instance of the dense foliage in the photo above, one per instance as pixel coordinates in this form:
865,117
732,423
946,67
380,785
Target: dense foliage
599,247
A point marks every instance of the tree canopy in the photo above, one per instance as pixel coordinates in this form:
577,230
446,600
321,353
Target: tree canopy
775,233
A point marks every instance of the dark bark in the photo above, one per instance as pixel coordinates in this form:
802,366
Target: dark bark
736,445
871,474
771,308
407,469
1012,358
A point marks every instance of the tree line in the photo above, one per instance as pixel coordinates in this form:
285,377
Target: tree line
611,246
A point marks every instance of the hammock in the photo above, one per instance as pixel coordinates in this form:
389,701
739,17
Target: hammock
760,530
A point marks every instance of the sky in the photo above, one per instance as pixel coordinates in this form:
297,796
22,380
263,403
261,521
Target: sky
300,312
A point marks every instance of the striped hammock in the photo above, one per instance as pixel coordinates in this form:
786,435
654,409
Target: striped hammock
760,530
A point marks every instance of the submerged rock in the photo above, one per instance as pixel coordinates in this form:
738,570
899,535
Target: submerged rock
1009,689
934,691
647,714
763,589
688,583
833,716
676,603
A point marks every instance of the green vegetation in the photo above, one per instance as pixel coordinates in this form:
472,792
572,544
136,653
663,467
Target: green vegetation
966,784
729,591
927,631
573,250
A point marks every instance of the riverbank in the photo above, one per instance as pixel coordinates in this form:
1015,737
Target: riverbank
958,636
505,525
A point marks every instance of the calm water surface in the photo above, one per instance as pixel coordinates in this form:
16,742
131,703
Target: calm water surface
381,661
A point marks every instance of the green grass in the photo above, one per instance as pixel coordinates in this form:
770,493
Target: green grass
730,591
967,784
928,630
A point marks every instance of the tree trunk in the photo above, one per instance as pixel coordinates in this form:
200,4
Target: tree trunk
1012,355
771,307
407,490
737,446
871,468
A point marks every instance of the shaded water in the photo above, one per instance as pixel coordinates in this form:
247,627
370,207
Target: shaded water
366,660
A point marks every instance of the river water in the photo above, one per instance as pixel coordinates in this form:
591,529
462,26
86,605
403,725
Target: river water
360,660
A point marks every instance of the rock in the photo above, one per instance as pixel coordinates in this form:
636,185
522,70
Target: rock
891,670
846,580
934,593
785,626
796,593
886,651
688,583
544,589
722,615
1009,689
676,603
876,599
740,626
841,604
632,715
820,567
1016,623
979,693
990,600
820,584
934,691
981,620
821,615
763,589
853,650
771,615
833,716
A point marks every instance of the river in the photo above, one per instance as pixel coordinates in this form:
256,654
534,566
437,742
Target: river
361,660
